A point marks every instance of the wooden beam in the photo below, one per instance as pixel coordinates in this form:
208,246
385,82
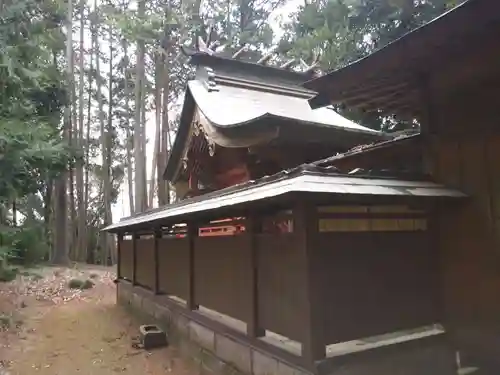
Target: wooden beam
158,235
119,255
134,258
393,107
192,233
382,95
252,229
305,227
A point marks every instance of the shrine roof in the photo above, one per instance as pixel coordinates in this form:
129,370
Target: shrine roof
244,103
304,182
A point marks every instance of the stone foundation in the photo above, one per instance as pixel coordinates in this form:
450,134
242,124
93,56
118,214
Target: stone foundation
217,353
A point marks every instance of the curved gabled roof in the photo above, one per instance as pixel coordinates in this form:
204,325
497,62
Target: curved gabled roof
230,106
241,109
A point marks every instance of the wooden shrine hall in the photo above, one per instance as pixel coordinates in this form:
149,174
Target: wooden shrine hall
446,75
352,287
244,120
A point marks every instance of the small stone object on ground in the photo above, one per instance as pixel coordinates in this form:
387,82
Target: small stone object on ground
151,337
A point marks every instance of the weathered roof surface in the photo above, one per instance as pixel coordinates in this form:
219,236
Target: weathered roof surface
240,99
402,141
395,71
304,179
229,105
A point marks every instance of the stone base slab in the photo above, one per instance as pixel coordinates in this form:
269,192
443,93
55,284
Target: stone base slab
216,353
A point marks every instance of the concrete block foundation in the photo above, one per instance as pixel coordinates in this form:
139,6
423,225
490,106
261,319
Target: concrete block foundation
217,353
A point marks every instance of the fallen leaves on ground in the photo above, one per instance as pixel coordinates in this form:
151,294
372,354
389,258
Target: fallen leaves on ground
72,331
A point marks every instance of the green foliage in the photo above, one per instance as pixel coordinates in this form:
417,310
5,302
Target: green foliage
80,284
75,284
28,246
342,31
31,155
32,94
8,273
23,246
5,322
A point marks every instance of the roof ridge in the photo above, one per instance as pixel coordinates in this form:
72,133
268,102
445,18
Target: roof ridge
290,90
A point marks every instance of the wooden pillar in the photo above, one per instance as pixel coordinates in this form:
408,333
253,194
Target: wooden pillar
157,261
134,258
252,228
306,233
119,237
429,125
192,233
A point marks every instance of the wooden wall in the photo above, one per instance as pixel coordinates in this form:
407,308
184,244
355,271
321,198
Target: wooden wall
470,235
280,268
383,282
222,275
338,273
173,268
126,259
145,262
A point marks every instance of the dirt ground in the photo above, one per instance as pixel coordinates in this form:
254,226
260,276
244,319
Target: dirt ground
48,329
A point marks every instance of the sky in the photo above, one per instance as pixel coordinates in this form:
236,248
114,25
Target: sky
121,208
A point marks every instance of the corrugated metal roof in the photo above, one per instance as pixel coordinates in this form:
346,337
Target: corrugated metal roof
304,179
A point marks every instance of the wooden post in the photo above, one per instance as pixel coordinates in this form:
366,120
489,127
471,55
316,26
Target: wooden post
134,258
157,261
429,124
306,233
192,233
252,228
119,255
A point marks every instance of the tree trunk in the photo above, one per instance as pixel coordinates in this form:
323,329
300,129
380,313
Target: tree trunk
100,111
47,214
130,175
14,213
158,105
60,255
163,186
144,178
109,249
82,212
73,136
139,156
87,131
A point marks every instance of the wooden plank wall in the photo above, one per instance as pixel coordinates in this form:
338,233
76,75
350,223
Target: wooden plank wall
173,255
280,273
222,275
145,262
470,237
382,282
126,265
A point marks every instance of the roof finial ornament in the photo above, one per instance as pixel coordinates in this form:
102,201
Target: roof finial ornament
264,59
244,48
202,47
288,64
314,64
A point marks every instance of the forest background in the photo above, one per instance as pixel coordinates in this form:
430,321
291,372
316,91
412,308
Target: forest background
90,92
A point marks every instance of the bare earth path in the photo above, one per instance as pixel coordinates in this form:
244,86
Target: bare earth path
69,332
